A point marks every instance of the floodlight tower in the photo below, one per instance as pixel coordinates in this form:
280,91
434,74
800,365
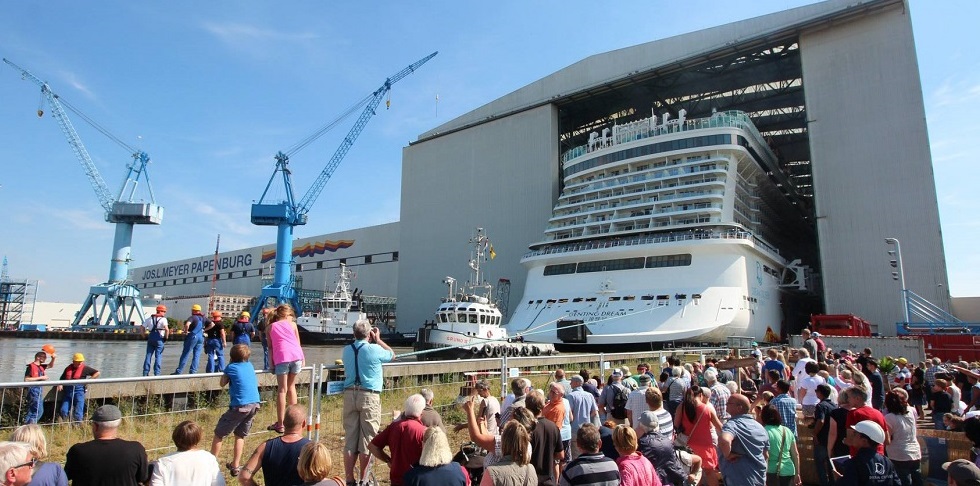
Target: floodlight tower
116,301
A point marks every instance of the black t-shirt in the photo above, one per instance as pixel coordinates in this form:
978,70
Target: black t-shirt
822,412
545,443
877,389
71,372
839,414
942,403
112,462
214,332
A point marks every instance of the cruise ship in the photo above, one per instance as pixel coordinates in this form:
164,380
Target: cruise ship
666,231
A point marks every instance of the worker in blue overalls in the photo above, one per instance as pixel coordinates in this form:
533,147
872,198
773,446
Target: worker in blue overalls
214,343
156,330
36,371
193,340
242,330
73,401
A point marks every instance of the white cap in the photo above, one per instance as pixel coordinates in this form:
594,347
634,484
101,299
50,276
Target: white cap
870,429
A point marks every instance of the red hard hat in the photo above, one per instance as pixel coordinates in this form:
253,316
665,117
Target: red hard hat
161,309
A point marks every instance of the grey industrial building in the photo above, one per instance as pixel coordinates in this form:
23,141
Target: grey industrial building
834,87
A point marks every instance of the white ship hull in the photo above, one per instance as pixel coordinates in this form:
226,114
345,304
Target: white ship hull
730,288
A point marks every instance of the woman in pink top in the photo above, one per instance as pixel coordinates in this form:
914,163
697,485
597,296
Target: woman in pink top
634,468
696,419
287,358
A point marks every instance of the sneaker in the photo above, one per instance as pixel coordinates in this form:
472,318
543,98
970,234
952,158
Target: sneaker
276,428
233,470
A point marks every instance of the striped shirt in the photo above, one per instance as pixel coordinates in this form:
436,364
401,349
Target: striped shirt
591,470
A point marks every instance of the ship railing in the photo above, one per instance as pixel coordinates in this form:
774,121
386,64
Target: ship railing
651,239
728,119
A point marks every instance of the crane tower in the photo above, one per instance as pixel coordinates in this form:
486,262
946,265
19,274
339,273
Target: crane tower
115,302
289,213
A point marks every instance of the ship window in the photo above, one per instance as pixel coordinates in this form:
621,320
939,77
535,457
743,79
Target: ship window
662,261
538,301
577,299
646,297
614,299
663,297
472,318
610,265
319,265
530,302
629,297
680,296
483,319
562,301
562,269
452,317
551,301
695,296
590,299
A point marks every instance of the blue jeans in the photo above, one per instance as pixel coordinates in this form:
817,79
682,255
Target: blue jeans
73,401
265,355
193,343
154,352
908,472
243,339
35,405
822,461
214,349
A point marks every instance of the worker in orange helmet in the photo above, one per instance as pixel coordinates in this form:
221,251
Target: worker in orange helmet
193,340
214,343
156,329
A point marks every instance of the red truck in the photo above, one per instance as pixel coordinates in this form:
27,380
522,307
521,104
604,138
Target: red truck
840,325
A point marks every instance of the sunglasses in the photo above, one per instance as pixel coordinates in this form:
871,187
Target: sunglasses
31,463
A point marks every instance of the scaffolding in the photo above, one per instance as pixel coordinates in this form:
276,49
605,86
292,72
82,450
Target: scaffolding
17,299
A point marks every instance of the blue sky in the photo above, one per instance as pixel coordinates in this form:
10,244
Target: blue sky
211,90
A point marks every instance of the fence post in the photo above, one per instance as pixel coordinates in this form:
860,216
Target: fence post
602,367
503,376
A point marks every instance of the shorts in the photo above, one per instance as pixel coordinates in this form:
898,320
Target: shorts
291,367
237,420
362,419
808,411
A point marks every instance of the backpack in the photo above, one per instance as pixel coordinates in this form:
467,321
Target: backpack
620,397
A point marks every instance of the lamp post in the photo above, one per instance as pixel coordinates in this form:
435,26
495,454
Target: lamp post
899,274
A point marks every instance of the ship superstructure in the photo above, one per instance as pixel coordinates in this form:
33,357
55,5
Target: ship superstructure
665,230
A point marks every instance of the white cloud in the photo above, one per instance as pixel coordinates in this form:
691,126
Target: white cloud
237,33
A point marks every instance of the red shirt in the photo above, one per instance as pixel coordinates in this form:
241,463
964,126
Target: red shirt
866,412
404,441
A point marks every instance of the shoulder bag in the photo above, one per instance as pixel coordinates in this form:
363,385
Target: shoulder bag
782,445
680,438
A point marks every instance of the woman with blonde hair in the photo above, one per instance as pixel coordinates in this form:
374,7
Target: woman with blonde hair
287,359
436,466
514,467
634,468
45,473
314,466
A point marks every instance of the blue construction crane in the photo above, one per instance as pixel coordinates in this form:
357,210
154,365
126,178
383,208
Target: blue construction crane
286,214
115,302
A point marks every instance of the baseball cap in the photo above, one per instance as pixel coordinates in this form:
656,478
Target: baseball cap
617,372
106,413
815,334
644,379
964,472
870,429
648,420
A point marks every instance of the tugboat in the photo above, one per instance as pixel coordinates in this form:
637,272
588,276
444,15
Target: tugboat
468,322
339,311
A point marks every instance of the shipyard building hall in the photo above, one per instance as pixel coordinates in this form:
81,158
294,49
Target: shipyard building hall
833,90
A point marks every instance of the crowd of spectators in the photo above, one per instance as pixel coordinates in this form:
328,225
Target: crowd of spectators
737,420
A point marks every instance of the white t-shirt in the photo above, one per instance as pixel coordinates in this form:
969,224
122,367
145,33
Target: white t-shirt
810,383
187,468
156,323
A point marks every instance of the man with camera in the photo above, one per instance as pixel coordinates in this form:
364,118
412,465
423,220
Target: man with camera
363,380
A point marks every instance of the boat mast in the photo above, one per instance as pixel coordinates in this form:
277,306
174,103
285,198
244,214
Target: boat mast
480,244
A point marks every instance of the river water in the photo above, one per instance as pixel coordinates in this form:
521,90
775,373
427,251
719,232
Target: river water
123,358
